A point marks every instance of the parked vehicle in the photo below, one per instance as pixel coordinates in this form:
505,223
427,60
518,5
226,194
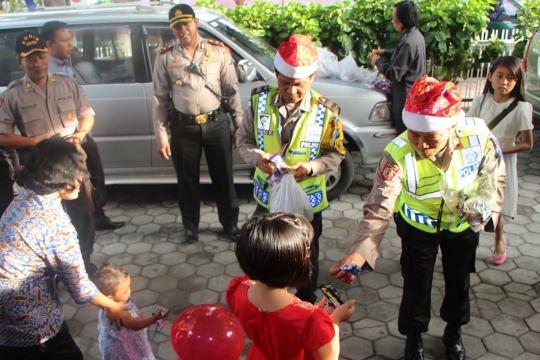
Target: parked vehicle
115,51
531,65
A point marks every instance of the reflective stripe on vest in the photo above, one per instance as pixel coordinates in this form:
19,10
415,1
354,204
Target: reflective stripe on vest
261,107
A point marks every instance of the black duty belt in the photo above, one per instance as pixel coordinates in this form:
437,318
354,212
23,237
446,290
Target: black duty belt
201,118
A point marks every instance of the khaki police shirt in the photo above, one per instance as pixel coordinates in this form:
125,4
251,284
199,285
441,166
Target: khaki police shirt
34,113
188,92
250,152
379,206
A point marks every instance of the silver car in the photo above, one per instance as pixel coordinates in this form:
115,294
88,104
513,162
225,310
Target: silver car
531,64
114,52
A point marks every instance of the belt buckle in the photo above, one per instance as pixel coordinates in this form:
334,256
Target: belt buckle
201,119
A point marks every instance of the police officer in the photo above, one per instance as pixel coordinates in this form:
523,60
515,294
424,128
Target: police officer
301,124
40,106
440,144
60,46
195,72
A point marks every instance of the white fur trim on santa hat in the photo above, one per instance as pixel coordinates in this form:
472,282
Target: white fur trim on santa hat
288,70
428,123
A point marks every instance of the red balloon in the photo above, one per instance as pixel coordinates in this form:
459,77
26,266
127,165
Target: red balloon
207,331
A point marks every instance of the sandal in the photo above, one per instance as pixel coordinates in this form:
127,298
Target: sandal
500,259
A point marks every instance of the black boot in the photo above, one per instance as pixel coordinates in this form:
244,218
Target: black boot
453,343
414,347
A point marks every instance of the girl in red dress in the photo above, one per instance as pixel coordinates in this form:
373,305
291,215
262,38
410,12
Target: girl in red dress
273,250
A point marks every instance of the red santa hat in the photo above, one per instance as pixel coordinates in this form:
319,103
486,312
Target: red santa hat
296,58
432,105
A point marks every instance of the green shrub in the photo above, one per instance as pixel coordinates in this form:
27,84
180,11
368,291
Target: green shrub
527,22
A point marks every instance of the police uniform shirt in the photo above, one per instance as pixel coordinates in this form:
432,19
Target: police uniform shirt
35,113
248,149
379,206
188,92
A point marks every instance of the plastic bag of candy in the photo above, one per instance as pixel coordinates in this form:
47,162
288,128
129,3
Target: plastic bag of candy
289,197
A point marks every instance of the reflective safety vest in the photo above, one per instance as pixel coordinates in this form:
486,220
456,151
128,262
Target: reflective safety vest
420,198
304,143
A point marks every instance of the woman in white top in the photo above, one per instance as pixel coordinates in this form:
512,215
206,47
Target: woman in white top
503,87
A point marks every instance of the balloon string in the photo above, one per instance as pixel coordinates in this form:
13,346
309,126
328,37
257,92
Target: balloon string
164,323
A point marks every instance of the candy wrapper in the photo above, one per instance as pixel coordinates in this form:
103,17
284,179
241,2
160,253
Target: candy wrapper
281,169
159,323
474,199
355,269
332,297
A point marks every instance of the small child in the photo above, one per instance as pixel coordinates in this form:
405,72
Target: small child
504,86
129,343
274,251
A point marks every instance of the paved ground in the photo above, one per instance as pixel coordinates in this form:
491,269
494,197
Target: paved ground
167,272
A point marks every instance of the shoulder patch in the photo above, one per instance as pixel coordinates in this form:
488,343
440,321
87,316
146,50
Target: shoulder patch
216,42
329,103
260,89
165,49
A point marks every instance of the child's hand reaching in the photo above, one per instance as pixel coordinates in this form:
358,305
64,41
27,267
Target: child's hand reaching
343,312
161,313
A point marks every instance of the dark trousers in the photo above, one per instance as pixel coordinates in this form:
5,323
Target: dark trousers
60,347
6,187
307,293
400,125
97,176
81,212
419,252
187,142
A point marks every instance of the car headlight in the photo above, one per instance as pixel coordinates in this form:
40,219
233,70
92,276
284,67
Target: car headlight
381,112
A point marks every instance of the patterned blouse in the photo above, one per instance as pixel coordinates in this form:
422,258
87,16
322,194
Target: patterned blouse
125,344
37,241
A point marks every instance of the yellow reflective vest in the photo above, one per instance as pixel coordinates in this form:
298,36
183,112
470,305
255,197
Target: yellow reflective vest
304,144
420,198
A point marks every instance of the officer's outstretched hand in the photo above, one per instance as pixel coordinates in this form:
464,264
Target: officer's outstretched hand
301,170
346,276
264,163
164,150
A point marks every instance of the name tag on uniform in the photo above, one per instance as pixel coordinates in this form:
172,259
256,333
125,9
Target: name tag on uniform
264,122
472,155
313,133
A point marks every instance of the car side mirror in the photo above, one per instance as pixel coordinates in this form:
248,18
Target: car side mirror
246,71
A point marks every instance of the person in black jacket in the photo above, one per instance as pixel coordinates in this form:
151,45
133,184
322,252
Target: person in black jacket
407,63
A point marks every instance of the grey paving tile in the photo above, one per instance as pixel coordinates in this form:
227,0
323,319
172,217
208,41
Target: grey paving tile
503,345
531,342
382,311
515,307
524,276
370,329
154,271
205,296
478,327
163,283
355,348
510,325
390,347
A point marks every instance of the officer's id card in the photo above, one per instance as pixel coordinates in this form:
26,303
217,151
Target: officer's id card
263,124
313,137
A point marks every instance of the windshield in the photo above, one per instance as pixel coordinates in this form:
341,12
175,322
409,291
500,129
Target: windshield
255,47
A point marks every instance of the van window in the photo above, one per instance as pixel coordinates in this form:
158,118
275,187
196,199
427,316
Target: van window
102,55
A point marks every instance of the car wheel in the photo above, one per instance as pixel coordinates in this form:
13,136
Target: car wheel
338,181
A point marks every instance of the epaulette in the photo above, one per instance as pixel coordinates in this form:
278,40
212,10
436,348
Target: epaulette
165,49
329,103
216,42
260,89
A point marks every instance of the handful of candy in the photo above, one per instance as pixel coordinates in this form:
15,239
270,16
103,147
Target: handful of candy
332,297
355,269
159,323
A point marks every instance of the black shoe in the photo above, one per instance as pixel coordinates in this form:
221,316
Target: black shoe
233,233
191,236
414,347
453,344
105,223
